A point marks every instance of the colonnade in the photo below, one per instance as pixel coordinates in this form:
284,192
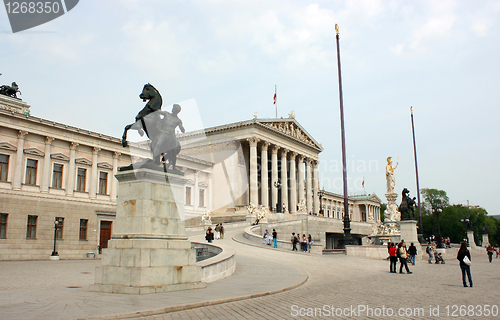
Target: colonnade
289,177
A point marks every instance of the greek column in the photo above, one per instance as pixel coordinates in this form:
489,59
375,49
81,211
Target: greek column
254,183
293,184
284,179
46,166
18,171
70,186
196,201
114,182
264,185
308,185
315,187
301,177
94,175
274,175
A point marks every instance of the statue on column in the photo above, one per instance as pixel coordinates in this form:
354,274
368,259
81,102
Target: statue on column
389,174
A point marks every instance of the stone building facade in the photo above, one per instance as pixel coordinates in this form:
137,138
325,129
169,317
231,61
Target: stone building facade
56,172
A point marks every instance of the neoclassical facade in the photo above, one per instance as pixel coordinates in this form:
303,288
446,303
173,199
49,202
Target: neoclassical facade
56,172
272,162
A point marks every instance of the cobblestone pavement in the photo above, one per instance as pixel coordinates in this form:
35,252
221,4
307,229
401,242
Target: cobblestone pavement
351,287
358,288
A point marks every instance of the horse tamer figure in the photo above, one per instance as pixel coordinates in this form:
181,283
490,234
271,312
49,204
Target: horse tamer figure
407,206
10,91
159,126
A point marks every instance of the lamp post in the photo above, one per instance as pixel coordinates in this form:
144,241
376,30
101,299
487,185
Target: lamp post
321,194
439,240
54,255
467,224
348,239
277,184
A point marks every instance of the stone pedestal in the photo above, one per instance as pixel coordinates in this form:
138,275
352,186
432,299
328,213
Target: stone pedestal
149,251
486,240
409,231
470,236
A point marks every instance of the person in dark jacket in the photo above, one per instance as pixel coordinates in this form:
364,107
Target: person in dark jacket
412,250
209,236
462,253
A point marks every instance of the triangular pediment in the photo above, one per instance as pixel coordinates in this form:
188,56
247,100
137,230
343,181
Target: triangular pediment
83,161
292,129
34,152
104,165
59,156
7,146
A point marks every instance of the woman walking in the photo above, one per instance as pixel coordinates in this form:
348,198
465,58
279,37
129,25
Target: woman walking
393,257
463,253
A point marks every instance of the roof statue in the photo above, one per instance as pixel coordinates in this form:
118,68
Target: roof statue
10,91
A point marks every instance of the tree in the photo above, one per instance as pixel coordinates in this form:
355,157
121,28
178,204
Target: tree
434,198
383,207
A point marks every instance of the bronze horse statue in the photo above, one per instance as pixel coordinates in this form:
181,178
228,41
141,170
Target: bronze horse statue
159,127
407,206
10,91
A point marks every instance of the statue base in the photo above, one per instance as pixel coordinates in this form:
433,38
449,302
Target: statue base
151,165
486,240
149,251
470,236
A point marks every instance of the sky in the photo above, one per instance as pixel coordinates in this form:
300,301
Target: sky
221,60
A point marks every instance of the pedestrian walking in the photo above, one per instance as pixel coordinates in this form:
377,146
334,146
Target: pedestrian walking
412,250
309,243
393,258
465,261
221,231
275,238
304,243
429,251
403,255
209,235
265,238
217,232
490,250
294,241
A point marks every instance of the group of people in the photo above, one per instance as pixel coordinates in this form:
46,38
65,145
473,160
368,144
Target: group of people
490,250
305,244
219,233
402,253
268,237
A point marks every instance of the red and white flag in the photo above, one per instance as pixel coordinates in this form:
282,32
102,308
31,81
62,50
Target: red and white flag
363,184
275,97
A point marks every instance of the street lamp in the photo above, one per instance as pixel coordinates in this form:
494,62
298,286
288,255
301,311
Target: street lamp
54,253
439,240
467,226
277,184
321,194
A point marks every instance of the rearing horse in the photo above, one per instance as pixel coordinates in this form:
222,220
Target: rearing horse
154,104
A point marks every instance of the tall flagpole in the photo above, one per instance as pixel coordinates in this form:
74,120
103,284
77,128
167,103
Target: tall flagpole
421,230
348,240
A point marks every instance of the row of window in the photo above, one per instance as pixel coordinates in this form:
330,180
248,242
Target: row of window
201,197
31,227
57,174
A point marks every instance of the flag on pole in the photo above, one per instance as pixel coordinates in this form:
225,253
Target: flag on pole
275,97
363,184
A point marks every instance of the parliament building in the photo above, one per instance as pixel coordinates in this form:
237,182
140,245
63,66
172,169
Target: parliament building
52,172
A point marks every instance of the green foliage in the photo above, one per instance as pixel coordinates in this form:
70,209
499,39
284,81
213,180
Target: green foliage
383,207
434,198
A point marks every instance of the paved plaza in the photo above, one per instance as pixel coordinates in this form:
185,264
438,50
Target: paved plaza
268,284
